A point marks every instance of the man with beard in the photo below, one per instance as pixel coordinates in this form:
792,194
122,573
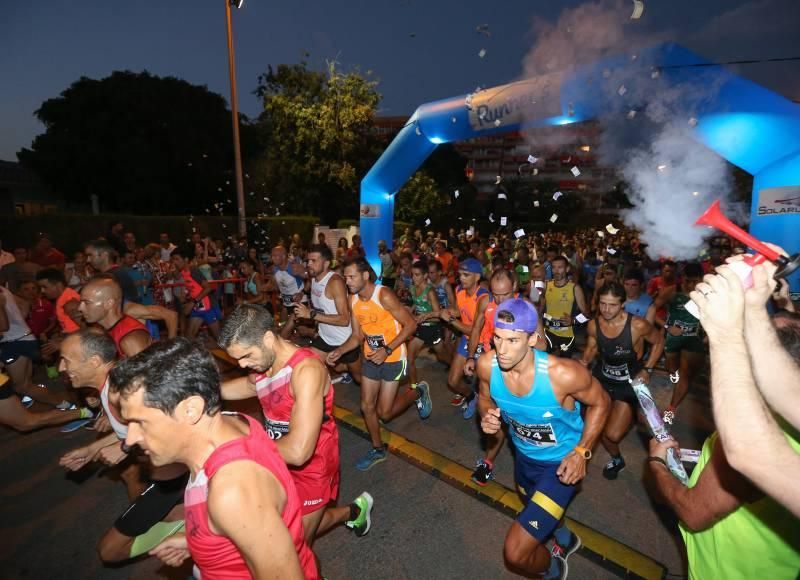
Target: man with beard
296,396
620,339
539,396
563,301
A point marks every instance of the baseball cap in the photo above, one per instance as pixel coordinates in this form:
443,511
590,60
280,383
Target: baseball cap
471,265
516,315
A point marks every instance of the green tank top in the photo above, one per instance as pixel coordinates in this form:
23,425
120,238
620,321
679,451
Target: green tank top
678,315
757,540
421,303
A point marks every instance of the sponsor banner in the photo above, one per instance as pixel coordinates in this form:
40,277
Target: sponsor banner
515,103
779,201
370,210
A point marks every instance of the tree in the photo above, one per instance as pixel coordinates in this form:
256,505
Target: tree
317,131
419,200
140,142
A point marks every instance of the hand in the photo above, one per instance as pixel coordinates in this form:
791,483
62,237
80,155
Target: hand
111,455
572,468
644,376
781,296
187,308
490,422
333,356
764,286
173,551
469,367
77,458
674,330
378,356
102,425
659,448
51,347
566,320
720,300
298,297
302,311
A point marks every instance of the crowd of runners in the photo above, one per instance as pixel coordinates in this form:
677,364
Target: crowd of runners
540,337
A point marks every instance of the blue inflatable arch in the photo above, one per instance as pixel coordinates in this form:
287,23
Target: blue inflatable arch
749,125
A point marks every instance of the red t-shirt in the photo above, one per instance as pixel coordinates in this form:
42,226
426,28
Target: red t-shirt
52,259
217,557
41,315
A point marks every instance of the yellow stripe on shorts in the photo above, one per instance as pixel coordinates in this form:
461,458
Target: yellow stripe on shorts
548,505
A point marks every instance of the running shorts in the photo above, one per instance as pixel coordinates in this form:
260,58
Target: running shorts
545,497
12,350
388,371
617,390
687,343
152,506
349,357
209,316
430,334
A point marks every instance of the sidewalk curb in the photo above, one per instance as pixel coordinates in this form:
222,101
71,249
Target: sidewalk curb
502,498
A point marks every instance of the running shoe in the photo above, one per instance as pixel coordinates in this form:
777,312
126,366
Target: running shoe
362,509
566,551
424,403
75,425
66,406
347,378
457,400
371,459
613,467
675,377
484,472
562,569
468,408
26,401
52,372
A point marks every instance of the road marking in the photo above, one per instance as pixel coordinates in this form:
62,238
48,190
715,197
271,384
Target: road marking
503,498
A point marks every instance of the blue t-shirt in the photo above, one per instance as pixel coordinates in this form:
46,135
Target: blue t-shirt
639,306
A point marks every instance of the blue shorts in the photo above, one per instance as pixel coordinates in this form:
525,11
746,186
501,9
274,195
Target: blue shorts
209,316
545,497
462,349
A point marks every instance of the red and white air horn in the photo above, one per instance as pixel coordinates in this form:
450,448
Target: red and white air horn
714,217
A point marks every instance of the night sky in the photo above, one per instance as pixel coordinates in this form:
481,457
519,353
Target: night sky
48,45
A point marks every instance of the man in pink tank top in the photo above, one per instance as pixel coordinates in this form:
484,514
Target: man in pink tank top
242,511
296,395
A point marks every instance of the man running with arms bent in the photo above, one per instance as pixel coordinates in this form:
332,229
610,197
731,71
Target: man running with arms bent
539,396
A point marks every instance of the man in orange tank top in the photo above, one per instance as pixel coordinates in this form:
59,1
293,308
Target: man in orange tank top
383,325
242,511
54,287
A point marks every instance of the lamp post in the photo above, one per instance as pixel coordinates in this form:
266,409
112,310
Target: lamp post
237,151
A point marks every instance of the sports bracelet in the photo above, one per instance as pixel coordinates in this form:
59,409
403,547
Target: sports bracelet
653,459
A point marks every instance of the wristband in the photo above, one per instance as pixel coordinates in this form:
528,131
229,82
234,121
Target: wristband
649,370
583,452
653,459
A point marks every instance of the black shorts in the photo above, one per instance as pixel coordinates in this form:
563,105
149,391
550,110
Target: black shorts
560,345
349,357
617,390
152,506
14,349
430,334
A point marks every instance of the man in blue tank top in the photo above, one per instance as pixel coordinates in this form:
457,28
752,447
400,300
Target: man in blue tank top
539,397
638,302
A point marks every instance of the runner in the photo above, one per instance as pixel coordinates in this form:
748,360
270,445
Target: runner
666,281
620,339
539,396
331,313
201,306
638,302
87,358
563,301
470,295
383,325
446,297
426,310
296,396
254,287
684,349
287,280
101,303
243,514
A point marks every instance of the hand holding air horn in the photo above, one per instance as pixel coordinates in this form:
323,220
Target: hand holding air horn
714,217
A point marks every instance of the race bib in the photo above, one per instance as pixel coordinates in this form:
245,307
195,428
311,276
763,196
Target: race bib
616,372
287,299
687,328
551,322
538,434
276,429
375,341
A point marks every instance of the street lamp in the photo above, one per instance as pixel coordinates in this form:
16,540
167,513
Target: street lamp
237,151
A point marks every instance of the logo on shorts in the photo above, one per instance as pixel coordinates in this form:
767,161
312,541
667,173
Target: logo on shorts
534,524
312,502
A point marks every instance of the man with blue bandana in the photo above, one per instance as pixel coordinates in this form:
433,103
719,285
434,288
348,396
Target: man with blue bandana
539,396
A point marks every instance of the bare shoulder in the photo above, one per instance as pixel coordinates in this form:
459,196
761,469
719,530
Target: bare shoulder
640,326
484,364
566,372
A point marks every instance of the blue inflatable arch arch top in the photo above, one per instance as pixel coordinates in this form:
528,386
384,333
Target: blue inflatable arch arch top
750,126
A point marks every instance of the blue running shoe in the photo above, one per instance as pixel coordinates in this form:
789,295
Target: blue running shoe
75,425
347,378
424,403
26,401
371,459
469,407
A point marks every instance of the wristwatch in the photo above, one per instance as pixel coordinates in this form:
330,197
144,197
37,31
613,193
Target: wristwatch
649,370
389,350
586,453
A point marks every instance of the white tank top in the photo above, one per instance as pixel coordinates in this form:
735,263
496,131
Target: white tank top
333,335
17,327
120,428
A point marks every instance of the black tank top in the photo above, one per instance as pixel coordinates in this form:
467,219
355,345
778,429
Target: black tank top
619,361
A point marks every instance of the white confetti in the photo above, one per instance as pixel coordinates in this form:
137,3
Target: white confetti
456,194
204,156
556,195
453,119
622,90
662,168
502,196
524,268
497,180
227,183
575,171
611,251
631,114
535,204
482,53
497,122
532,159
503,220
611,229
519,233
638,8
655,73
600,234
471,231
427,222
252,193
491,218
418,131
695,193
693,122
535,171
554,217
189,164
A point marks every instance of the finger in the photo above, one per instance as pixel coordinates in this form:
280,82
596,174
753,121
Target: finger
732,280
718,283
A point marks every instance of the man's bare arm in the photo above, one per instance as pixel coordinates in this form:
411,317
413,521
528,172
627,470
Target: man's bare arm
238,388
135,342
309,380
409,326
